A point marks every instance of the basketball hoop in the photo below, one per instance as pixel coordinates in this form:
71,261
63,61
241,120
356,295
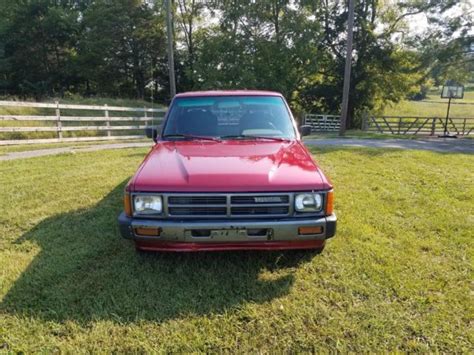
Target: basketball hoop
450,92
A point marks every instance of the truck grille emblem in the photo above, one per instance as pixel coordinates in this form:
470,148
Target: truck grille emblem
270,199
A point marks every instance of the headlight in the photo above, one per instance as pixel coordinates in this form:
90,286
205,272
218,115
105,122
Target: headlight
308,202
147,204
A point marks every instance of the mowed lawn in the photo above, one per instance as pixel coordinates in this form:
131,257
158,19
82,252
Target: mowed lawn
434,106
397,276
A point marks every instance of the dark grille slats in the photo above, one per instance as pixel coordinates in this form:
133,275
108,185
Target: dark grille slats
249,211
197,211
197,200
228,205
259,199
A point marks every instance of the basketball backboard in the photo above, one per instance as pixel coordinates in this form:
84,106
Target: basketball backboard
452,92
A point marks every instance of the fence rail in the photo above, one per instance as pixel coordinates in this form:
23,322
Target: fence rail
59,118
418,125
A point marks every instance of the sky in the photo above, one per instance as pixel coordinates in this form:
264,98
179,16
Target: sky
419,23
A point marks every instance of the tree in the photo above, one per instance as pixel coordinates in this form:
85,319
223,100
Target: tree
38,40
297,47
123,43
386,63
188,21
262,45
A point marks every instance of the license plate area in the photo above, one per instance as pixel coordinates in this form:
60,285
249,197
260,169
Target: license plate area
234,234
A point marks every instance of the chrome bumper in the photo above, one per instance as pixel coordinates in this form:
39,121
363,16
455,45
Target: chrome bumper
228,230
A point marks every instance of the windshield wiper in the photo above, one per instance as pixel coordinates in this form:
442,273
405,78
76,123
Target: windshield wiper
250,136
190,136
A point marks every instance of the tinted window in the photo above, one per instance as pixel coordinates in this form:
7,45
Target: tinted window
219,116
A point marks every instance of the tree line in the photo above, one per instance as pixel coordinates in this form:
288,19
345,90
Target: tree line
55,48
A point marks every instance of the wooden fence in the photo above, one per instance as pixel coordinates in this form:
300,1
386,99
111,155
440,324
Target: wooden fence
72,123
417,125
56,122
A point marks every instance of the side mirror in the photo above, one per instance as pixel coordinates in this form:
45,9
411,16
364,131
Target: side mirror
305,130
151,132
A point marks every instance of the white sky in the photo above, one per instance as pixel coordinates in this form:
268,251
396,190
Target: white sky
419,23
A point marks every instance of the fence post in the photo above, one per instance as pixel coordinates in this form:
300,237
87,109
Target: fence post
464,127
365,122
433,127
145,116
107,121
399,124
59,126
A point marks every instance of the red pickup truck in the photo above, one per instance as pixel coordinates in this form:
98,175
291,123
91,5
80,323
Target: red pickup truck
228,171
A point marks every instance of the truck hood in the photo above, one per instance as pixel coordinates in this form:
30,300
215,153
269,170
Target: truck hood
228,166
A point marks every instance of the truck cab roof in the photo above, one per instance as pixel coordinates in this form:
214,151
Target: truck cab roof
228,93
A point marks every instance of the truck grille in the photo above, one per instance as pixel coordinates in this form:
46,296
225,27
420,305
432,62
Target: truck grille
228,205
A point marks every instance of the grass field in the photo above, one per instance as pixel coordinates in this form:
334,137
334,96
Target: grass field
27,147
397,276
434,106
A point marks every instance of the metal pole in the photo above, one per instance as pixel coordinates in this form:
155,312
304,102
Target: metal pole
447,117
347,69
169,30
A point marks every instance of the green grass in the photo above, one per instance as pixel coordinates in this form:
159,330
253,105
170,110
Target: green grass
22,148
397,276
433,106
359,134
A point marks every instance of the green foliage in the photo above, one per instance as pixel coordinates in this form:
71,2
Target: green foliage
101,47
122,48
117,49
258,45
443,49
38,46
300,51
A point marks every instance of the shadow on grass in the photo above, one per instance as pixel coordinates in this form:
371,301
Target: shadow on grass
85,271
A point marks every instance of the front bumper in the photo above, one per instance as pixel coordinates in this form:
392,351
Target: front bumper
180,235
186,235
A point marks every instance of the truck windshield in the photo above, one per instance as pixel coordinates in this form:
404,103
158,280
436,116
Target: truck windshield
229,117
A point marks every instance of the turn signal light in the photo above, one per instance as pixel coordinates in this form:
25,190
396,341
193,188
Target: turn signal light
127,204
148,231
330,203
310,230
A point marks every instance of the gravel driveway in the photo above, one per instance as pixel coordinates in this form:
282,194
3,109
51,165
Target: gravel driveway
452,145
437,145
